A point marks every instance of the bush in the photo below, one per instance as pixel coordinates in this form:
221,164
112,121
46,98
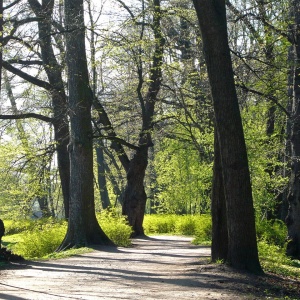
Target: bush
273,232
273,259
159,224
18,226
203,232
198,226
40,241
116,227
185,225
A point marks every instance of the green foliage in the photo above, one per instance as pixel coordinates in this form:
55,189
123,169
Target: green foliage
271,247
273,232
116,227
186,225
198,226
273,259
264,159
159,224
40,241
40,238
183,179
203,233
18,226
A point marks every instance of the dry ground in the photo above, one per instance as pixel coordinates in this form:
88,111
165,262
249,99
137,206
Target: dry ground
160,267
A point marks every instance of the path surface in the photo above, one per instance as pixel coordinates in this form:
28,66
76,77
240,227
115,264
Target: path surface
161,267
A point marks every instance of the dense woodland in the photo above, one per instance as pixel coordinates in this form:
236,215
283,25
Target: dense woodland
156,107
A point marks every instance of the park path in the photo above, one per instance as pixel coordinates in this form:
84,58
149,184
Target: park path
160,267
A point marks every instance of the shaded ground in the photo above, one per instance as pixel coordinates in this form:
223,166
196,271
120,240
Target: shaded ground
161,267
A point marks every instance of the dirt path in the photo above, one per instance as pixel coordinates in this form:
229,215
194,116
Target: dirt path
161,267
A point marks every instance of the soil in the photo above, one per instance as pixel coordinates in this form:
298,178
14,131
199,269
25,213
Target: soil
160,267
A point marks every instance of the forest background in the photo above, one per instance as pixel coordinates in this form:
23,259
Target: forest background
138,56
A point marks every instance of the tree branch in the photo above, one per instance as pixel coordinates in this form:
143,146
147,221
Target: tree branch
271,98
27,116
26,76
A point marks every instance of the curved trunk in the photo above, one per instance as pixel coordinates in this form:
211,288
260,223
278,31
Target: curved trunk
134,199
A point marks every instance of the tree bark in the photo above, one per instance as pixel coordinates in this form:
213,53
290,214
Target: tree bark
83,228
242,248
219,246
134,201
293,217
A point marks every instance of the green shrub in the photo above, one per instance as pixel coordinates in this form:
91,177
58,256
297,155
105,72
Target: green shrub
159,224
18,226
185,225
116,227
198,226
273,232
203,231
40,241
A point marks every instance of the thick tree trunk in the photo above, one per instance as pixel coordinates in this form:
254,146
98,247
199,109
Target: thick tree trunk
134,200
242,248
219,246
293,217
83,228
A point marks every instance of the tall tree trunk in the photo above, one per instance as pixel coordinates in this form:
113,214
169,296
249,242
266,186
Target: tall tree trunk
83,228
219,246
293,217
242,248
59,99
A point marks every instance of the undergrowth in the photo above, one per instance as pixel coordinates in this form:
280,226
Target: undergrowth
34,239
198,226
116,227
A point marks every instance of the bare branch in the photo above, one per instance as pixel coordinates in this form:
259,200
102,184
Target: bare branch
26,76
27,116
